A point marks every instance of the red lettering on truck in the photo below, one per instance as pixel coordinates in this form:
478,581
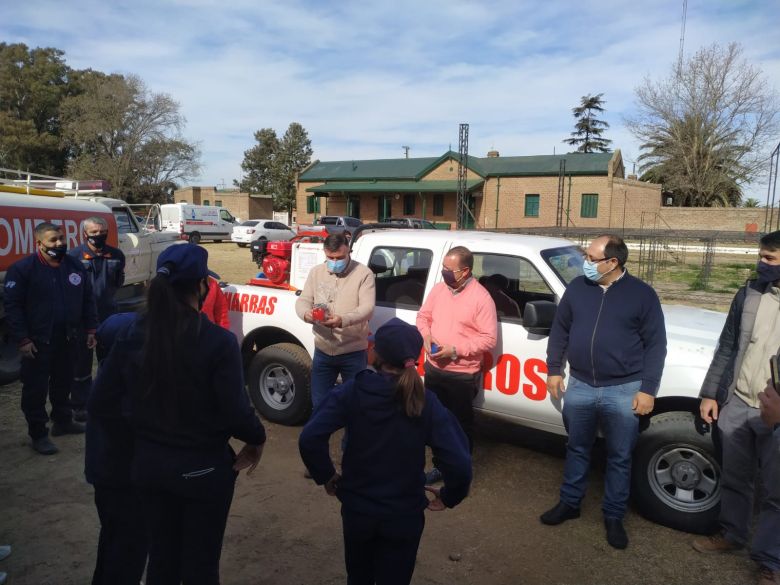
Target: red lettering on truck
246,303
508,376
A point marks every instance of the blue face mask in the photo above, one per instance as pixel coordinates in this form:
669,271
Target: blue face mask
591,271
337,266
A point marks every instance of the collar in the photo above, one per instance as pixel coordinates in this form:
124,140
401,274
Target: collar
42,260
461,288
606,286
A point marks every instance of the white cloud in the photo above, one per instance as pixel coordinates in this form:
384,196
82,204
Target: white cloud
365,77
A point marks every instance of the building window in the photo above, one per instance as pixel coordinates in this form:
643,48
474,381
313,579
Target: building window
408,204
218,202
205,202
438,204
590,205
532,205
312,204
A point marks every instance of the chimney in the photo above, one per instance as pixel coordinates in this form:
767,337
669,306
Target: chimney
492,154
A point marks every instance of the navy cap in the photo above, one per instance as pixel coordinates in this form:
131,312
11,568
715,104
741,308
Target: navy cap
184,262
396,342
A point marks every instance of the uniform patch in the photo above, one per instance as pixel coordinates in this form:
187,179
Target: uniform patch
74,279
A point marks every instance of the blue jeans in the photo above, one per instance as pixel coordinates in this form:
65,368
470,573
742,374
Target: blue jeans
325,369
585,410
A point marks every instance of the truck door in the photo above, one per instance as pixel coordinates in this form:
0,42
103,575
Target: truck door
135,243
516,381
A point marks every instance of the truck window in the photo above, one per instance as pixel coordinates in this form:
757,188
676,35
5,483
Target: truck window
124,223
512,281
565,262
401,274
224,215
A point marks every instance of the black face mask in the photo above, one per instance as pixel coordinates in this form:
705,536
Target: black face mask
449,278
98,241
57,253
767,272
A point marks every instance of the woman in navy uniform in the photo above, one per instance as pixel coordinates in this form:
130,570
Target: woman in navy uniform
390,417
179,378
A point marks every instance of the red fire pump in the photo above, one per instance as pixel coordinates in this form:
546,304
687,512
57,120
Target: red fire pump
276,263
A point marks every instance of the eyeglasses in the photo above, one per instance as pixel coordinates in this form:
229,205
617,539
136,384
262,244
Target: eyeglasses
595,261
444,269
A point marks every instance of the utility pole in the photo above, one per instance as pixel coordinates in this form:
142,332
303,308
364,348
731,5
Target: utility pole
406,151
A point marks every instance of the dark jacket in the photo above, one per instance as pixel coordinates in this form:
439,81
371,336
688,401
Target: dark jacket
31,307
721,378
609,337
106,271
108,451
384,458
212,402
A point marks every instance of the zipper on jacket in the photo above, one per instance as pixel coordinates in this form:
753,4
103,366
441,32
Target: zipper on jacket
593,338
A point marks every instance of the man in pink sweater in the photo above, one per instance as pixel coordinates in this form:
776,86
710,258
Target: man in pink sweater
458,323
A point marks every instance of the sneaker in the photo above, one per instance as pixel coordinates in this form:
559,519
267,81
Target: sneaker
767,576
616,533
433,476
559,514
44,446
80,416
715,544
67,428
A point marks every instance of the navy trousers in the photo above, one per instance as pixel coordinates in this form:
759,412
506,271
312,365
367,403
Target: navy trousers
122,545
381,550
48,374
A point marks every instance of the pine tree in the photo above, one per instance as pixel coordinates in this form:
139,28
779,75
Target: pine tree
588,130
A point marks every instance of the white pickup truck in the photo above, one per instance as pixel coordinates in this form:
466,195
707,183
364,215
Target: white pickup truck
676,475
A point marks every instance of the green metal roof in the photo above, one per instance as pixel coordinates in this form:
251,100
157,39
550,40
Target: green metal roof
416,168
397,186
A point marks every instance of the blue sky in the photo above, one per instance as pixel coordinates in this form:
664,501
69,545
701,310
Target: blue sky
365,77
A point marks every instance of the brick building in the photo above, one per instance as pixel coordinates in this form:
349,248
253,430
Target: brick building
584,190
241,205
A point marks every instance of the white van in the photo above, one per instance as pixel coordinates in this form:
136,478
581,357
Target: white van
197,222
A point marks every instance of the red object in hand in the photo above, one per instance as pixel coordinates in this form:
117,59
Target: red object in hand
318,314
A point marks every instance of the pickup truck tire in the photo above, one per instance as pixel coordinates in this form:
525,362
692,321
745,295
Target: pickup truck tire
279,383
676,474
195,238
242,245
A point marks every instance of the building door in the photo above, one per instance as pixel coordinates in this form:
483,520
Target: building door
467,221
353,206
384,208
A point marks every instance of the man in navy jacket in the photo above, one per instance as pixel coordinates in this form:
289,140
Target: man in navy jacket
105,268
49,307
610,328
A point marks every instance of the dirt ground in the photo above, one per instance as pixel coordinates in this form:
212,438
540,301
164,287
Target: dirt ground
285,530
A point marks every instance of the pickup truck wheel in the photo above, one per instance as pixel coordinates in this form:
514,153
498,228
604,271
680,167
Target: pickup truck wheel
242,245
279,383
10,362
195,238
676,475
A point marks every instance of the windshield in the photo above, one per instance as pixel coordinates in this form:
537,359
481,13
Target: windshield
566,262
249,223
328,220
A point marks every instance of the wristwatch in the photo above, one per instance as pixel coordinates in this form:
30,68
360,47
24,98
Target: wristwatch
454,353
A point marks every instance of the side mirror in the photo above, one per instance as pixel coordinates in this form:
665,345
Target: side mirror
538,316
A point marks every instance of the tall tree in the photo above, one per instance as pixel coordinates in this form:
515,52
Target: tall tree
33,83
116,129
259,164
294,155
588,129
271,165
705,127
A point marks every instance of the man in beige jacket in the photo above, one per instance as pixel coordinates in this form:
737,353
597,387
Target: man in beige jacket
338,299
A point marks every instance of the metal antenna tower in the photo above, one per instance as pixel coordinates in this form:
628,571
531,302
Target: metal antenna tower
561,189
682,38
463,210
406,151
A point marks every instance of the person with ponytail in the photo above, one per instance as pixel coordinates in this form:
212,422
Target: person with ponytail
390,417
178,378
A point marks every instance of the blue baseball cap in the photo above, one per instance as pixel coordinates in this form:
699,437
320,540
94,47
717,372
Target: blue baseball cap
184,262
396,342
